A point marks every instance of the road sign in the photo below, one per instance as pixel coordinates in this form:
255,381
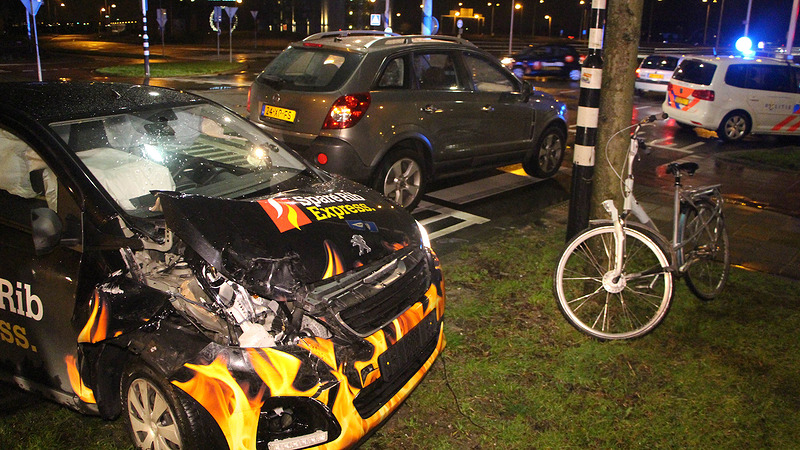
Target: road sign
35,4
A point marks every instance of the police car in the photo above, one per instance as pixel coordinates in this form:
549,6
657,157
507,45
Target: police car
735,96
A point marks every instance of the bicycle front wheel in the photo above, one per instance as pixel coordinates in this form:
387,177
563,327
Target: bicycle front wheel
706,257
595,303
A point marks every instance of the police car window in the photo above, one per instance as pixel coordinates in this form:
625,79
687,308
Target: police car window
776,78
736,75
695,71
436,71
486,77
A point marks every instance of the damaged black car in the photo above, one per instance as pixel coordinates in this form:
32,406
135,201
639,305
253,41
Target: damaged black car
163,259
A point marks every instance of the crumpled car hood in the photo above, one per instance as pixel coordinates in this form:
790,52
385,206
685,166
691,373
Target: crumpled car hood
314,233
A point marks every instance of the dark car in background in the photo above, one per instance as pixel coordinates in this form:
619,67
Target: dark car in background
164,259
396,112
557,60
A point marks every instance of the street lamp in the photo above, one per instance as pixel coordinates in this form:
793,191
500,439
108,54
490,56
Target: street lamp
708,10
549,23
511,30
492,4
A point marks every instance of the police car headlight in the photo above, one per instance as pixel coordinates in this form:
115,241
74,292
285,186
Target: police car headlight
507,61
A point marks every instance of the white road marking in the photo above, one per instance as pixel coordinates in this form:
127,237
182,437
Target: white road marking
485,187
443,213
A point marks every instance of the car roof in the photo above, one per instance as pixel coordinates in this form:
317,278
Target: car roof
366,41
57,100
727,60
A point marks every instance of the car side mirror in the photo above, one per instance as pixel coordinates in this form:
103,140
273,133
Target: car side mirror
526,91
47,230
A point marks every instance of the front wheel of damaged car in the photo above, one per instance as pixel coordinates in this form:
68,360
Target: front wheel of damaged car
547,155
158,418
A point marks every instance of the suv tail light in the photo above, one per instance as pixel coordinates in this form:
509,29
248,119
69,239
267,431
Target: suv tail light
704,94
346,111
249,92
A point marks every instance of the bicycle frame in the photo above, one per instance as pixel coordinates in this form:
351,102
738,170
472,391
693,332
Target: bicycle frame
631,205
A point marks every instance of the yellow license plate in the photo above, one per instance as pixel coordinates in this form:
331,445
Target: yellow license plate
682,101
274,112
657,76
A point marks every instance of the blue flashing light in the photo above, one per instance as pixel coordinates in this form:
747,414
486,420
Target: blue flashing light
744,45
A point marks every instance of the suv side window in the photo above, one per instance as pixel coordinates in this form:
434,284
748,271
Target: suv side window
486,77
761,77
394,75
437,71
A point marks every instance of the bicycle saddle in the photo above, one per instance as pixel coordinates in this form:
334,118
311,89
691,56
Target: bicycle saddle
689,168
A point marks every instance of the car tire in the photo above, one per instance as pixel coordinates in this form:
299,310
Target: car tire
519,72
575,74
402,177
182,423
548,153
734,126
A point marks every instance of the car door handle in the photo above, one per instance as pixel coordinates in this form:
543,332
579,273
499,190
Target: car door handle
488,108
430,109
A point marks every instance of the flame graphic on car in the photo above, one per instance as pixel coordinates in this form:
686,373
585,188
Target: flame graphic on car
80,389
214,387
217,389
334,266
285,214
96,327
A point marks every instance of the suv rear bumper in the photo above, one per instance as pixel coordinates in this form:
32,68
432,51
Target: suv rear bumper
342,158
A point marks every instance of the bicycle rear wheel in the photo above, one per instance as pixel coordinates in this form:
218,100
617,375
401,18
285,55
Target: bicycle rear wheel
706,256
606,309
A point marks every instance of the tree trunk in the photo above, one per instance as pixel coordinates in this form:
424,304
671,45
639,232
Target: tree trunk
620,49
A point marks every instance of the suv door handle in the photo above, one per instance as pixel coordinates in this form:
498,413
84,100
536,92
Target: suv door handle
430,109
488,108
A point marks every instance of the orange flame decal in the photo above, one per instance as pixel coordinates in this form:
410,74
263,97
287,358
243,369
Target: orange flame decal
96,327
335,266
80,389
284,213
214,387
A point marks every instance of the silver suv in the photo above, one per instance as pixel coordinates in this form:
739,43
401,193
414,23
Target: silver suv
395,112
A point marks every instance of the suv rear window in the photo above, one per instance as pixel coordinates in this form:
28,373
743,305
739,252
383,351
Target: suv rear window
660,62
694,71
310,70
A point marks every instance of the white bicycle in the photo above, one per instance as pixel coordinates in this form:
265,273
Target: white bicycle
614,280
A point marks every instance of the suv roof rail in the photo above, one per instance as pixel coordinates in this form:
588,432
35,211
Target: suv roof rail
409,39
345,33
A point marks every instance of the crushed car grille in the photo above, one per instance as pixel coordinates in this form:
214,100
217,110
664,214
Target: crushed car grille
381,301
398,364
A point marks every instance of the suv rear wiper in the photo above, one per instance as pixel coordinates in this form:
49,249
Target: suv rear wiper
273,81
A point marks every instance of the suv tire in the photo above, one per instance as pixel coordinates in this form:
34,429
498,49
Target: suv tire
548,154
734,126
402,177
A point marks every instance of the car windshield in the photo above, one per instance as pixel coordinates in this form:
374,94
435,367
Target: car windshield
197,149
310,69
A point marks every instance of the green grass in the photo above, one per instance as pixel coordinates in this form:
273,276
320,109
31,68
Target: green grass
172,69
786,158
516,375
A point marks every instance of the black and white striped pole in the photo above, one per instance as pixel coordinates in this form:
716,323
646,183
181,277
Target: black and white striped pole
146,43
586,131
